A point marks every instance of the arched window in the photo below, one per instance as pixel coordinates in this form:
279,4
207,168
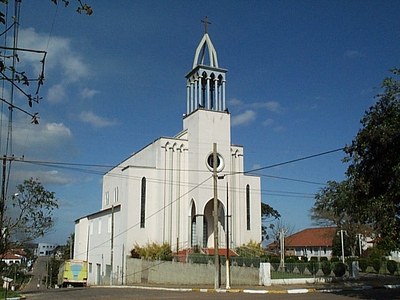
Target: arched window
143,203
248,206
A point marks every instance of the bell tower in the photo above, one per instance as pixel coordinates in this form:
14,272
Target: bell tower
206,81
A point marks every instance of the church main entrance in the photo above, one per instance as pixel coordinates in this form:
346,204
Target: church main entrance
202,226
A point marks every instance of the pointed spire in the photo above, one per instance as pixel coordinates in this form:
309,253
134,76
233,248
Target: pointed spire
206,81
204,45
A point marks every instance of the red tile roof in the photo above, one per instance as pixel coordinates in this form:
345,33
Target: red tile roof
10,255
312,237
221,251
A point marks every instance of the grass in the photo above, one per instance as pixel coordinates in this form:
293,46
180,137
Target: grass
10,294
289,275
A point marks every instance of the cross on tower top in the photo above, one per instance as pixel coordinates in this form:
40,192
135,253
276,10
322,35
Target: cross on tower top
206,23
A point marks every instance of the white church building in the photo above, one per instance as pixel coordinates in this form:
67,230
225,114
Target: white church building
165,191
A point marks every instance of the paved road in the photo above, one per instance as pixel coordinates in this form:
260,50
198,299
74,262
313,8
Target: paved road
39,273
129,293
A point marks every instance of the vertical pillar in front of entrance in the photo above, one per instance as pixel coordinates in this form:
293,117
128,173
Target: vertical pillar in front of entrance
200,230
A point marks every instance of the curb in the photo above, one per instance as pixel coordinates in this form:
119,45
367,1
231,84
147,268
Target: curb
257,291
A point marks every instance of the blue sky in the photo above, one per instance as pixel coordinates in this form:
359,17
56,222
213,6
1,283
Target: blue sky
300,76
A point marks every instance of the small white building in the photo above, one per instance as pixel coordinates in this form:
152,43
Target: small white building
165,191
45,249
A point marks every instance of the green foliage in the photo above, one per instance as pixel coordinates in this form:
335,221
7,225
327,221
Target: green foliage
152,251
10,294
251,249
326,268
53,268
335,259
301,266
313,266
30,213
376,264
291,259
369,198
339,269
337,245
374,253
275,260
392,266
374,168
268,214
363,264
323,258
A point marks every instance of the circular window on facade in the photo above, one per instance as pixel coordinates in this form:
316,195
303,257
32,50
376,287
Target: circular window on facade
220,162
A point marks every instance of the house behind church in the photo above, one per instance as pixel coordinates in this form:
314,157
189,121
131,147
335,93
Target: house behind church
310,242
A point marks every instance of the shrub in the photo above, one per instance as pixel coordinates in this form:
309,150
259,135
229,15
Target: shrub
251,249
290,263
313,267
363,264
376,264
335,259
275,260
326,268
323,258
391,266
153,251
291,259
340,269
301,266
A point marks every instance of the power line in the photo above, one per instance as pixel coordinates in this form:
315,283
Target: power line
291,179
295,160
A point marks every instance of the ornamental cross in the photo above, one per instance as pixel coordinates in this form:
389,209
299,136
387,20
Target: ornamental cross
206,23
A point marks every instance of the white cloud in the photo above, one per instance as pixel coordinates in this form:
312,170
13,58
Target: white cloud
244,118
272,106
62,62
94,120
268,122
87,93
56,93
353,54
45,177
235,102
43,136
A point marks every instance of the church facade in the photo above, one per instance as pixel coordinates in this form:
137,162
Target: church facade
164,193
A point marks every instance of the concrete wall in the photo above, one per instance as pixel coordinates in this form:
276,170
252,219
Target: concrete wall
140,271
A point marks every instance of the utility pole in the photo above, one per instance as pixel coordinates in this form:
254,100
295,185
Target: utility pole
282,246
112,245
217,275
341,239
2,201
227,264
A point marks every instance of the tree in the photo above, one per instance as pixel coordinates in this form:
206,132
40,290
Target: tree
29,214
268,214
374,168
333,206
